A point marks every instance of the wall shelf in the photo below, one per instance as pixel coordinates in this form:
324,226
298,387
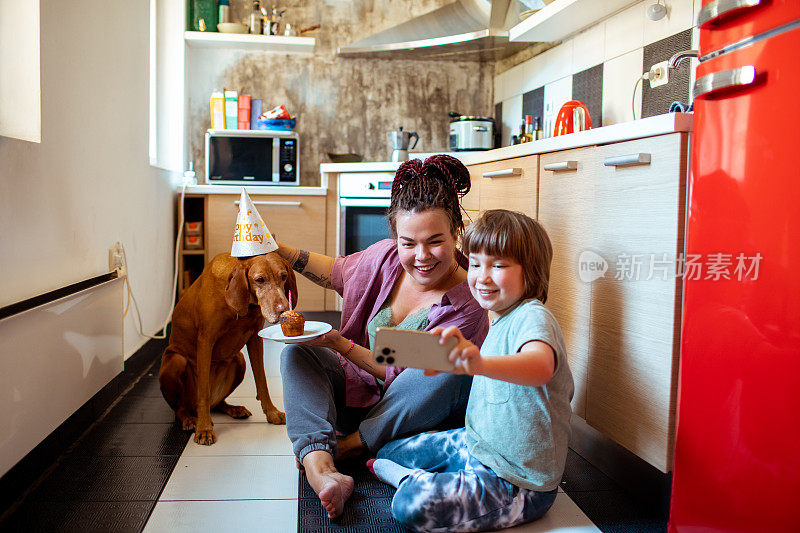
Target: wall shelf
251,43
562,18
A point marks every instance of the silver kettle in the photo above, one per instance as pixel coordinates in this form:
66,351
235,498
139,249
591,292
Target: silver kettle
400,141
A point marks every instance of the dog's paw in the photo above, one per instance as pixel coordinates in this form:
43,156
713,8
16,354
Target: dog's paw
275,417
237,411
188,424
205,437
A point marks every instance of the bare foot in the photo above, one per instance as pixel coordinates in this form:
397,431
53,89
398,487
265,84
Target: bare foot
332,487
336,489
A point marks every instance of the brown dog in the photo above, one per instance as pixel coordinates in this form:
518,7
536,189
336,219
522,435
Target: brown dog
221,312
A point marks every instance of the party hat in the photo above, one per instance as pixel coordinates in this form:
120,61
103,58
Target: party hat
250,236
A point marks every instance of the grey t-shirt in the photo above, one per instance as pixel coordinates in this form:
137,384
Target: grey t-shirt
518,431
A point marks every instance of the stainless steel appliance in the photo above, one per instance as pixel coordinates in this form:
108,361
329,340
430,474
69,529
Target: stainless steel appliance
400,140
254,157
471,133
363,200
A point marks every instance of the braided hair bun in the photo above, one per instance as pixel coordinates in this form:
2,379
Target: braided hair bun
438,182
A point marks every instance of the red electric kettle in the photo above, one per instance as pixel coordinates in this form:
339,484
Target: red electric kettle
573,116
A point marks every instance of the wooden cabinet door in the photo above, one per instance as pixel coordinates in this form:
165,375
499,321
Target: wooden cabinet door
298,221
509,184
635,321
566,211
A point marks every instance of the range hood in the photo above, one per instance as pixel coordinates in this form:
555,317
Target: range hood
466,30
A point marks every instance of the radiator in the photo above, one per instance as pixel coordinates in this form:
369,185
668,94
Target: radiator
56,351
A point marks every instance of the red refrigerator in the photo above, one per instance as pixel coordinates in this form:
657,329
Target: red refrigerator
737,448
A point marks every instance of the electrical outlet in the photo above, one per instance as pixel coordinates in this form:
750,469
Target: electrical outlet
659,74
115,258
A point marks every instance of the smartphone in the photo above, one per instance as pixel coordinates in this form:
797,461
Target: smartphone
412,348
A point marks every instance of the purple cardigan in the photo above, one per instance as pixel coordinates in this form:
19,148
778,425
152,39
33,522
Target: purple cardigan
364,281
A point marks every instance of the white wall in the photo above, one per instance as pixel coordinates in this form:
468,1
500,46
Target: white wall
88,184
617,42
20,112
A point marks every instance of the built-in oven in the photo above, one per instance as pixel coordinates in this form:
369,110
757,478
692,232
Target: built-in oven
363,201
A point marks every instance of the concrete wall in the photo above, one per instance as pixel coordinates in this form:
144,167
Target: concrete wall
342,104
88,184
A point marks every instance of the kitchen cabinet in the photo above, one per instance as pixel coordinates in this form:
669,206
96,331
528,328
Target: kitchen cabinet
620,205
635,320
562,18
566,186
507,184
297,219
191,261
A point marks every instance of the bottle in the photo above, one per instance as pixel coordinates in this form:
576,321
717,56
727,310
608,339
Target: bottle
224,11
521,138
256,26
537,129
528,129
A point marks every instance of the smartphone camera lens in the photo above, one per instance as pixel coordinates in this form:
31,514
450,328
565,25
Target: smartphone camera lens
389,360
386,351
379,358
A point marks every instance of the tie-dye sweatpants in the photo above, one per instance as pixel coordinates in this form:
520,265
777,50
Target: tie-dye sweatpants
450,490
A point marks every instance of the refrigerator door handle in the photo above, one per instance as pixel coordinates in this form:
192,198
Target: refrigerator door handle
726,79
720,8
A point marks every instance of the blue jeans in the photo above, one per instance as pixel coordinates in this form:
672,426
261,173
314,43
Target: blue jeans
450,490
314,401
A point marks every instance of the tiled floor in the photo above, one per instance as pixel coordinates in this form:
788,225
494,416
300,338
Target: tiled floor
248,477
113,479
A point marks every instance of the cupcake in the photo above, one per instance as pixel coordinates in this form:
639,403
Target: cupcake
292,323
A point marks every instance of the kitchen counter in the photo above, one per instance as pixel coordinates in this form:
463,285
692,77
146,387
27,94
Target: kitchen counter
637,129
387,166
259,189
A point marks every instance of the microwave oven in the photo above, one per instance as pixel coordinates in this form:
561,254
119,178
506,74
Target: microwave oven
252,157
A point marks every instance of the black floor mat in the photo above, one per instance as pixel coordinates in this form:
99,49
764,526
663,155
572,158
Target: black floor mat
80,517
368,510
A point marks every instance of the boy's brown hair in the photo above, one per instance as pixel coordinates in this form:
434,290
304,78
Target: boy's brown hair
504,233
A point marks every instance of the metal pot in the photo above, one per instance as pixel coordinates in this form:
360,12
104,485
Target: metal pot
471,133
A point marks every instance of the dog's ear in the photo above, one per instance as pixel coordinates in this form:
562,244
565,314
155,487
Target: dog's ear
237,293
290,285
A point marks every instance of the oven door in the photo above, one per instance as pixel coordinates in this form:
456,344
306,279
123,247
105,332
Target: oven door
362,222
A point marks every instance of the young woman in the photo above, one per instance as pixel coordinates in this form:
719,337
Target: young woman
415,280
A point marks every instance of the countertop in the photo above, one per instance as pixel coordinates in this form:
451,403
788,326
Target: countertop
259,189
625,131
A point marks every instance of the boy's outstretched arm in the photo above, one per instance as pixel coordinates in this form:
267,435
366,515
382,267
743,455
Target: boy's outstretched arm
532,366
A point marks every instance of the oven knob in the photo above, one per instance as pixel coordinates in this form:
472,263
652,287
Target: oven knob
371,186
287,167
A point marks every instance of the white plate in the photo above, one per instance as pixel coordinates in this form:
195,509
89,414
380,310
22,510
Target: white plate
312,330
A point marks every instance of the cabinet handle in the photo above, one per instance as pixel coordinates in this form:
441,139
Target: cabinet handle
274,203
562,165
627,160
719,8
726,79
480,128
503,173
